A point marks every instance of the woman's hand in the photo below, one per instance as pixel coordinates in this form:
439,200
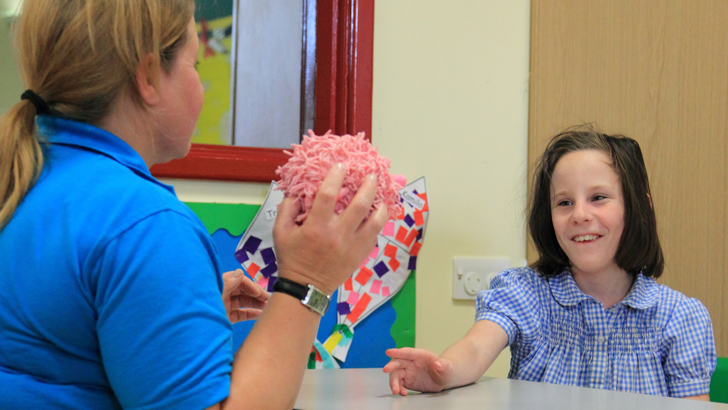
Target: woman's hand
327,247
242,297
417,369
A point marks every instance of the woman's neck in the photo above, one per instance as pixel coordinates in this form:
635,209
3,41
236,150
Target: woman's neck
130,123
609,287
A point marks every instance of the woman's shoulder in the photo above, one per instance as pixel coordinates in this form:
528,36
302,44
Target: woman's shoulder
84,163
101,193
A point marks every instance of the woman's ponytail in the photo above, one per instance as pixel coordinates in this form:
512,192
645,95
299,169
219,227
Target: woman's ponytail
21,157
80,55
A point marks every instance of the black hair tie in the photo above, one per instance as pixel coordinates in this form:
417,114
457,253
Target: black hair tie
41,107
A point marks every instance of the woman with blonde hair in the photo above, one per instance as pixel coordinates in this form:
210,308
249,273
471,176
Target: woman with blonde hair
111,294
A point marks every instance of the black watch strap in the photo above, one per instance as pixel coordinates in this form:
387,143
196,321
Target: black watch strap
290,287
309,296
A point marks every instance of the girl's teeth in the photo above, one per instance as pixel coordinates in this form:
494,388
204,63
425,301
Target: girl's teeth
585,238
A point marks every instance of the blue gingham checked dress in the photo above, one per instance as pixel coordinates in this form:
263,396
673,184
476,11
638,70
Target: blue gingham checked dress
655,341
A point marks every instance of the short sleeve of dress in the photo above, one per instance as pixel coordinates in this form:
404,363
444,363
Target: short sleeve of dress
691,356
164,336
511,302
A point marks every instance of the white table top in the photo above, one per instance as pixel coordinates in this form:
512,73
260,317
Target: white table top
354,389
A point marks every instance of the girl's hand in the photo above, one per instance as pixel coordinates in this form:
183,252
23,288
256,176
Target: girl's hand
327,247
242,297
417,369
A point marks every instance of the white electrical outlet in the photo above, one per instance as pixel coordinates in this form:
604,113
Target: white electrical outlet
474,283
471,275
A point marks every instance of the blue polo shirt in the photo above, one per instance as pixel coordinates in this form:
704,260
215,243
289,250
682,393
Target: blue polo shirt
110,287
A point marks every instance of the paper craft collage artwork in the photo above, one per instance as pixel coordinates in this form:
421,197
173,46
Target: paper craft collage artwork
379,278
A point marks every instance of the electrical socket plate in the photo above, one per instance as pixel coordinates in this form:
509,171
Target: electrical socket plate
471,275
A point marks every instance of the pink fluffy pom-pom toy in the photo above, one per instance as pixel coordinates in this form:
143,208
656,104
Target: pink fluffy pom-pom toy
302,175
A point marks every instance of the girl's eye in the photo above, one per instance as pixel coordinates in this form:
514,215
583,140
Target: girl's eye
564,202
599,197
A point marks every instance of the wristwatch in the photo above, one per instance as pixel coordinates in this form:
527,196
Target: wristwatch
309,296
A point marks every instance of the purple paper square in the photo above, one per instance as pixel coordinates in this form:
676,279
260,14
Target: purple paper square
419,235
412,265
241,256
414,191
272,281
381,268
252,244
268,256
269,270
343,308
409,221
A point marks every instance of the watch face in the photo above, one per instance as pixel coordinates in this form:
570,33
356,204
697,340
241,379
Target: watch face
316,300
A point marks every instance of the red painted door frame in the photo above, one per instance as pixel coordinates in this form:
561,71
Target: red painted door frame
344,50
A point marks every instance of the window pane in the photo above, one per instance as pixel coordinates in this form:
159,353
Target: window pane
268,70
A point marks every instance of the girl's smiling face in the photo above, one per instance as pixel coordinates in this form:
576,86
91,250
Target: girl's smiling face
587,210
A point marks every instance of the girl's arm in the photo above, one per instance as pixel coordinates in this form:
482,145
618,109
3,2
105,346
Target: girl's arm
462,363
700,397
691,357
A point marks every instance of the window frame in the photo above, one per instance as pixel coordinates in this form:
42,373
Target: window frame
343,101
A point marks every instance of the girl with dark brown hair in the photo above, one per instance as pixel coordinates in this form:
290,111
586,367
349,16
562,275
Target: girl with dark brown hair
588,312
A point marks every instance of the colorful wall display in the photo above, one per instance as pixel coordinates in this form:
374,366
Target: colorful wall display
392,324
370,287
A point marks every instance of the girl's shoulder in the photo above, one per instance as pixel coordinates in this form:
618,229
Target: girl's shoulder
522,276
648,293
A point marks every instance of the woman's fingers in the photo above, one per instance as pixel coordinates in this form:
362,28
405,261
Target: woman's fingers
361,205
253,290
328,193
288,210
243,298
247,302
236,283
327,248
231,282
241,315
375,223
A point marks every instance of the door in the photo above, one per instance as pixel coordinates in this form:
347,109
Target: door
656,71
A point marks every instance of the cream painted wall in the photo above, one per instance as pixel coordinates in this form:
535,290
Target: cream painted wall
219,191
450,103
11,86
9,7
